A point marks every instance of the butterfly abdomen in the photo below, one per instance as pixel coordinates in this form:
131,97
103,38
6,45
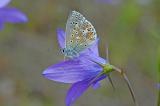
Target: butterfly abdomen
70,52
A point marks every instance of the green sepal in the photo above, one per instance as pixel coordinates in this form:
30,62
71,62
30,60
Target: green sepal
107,68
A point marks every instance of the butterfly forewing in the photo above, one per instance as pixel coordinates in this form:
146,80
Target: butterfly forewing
80,33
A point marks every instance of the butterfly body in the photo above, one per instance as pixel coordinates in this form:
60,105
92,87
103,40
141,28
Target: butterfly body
69,52
80,35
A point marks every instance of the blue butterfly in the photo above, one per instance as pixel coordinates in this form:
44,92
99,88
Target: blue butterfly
80,35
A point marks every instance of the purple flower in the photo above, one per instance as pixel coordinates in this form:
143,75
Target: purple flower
112,2
10,15
81,72
158,86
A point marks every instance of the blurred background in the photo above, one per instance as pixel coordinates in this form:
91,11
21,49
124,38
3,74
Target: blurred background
131,28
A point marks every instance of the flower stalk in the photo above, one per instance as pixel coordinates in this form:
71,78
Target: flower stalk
108,68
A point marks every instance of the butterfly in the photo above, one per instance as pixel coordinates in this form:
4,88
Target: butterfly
80,35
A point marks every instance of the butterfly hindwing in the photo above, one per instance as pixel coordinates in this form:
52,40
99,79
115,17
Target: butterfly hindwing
80,33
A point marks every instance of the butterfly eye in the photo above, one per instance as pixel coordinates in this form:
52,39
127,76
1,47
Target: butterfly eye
85,45
62,50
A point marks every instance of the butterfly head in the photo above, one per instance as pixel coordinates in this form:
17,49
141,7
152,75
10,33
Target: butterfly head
62,50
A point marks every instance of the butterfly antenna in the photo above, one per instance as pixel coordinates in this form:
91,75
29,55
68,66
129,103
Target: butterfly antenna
128,84
107,58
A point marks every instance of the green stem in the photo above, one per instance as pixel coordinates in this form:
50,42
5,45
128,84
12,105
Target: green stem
127,82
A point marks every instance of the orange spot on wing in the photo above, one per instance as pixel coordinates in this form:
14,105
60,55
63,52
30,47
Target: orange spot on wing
90,36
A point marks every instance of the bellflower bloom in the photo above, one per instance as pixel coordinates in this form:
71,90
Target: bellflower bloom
158,86
10,15
80,71
112,2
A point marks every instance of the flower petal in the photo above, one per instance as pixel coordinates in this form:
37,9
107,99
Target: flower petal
95,58
158,86
72,70
96,85
77,89
12,15
112,2
4,3
61,37
93,49
92,54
